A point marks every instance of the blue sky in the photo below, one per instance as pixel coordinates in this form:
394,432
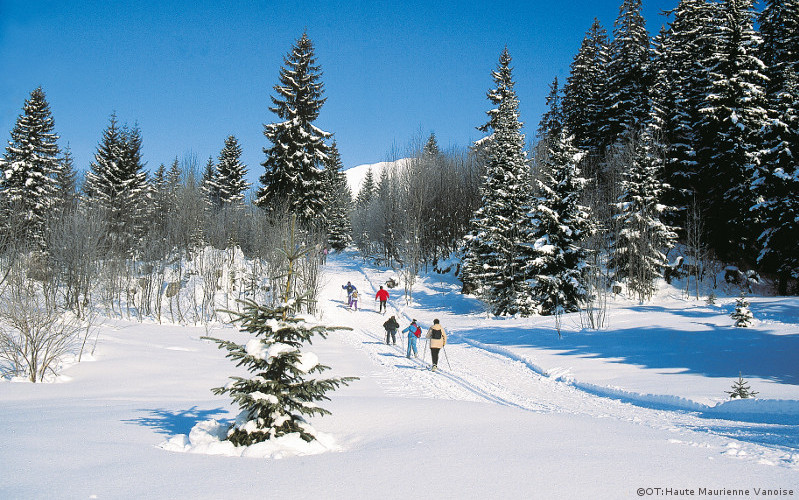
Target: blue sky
191,73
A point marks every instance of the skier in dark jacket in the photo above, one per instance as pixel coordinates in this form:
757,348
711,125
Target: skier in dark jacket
349,287
391,326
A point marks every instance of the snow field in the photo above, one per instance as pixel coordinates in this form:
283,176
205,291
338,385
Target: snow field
509,419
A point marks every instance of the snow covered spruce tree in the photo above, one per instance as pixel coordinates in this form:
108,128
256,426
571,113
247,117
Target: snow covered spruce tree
496,249
584,95
681,83
734,115
338,202
208,184
228,184
640,248
293,179
65,196
627,105
776,180
558,260
282,389
117,185
742,315
31,160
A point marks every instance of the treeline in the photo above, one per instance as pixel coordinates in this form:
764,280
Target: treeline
178,243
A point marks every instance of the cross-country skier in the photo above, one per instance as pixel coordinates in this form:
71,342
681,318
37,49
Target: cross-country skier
382,296
438,339
391,326
414,332
349,287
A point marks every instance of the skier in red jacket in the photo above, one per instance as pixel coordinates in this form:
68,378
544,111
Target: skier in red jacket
382,296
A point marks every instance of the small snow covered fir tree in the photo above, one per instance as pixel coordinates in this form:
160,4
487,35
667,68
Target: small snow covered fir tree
741,389
742,315
283,388
281,392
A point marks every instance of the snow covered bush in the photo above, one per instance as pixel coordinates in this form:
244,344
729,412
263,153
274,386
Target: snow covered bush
743,316
281,392
35,332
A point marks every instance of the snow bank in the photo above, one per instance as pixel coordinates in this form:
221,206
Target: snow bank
207,438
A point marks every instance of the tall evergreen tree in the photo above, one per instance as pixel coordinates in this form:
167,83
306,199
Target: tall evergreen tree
208,184
644,239
734,114
627,107
117,184
680,87
229,182
776,185
561,223
496,249
551,123
779,51
367,190
777,179
31,160
584,95
65,196
338,202
293,177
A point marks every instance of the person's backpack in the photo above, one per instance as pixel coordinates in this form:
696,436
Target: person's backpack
418,332
355,295
436,333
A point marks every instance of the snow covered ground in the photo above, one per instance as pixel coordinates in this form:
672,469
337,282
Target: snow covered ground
516,411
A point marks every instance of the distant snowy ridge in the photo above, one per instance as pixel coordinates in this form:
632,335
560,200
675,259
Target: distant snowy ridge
760,410
356,175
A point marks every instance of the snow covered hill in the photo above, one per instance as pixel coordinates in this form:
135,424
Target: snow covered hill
356,175
515,411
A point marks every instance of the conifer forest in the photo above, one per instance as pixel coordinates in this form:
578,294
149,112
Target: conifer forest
663,156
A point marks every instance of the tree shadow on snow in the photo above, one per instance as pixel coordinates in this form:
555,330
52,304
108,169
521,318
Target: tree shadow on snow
715,351
174,422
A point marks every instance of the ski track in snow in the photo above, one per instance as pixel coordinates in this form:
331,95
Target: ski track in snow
495,377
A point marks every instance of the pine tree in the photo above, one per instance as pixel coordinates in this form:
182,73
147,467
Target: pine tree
627,107
741,389
644,239
338,202
367,190
561,224
229,180
496,251
293,176
776,181
117,184
734,114
65,196
431,148
742,315
31,160
584,95
208,184
284,387
681,84
551,123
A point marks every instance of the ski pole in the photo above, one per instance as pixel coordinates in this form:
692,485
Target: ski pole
424,352
444,349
